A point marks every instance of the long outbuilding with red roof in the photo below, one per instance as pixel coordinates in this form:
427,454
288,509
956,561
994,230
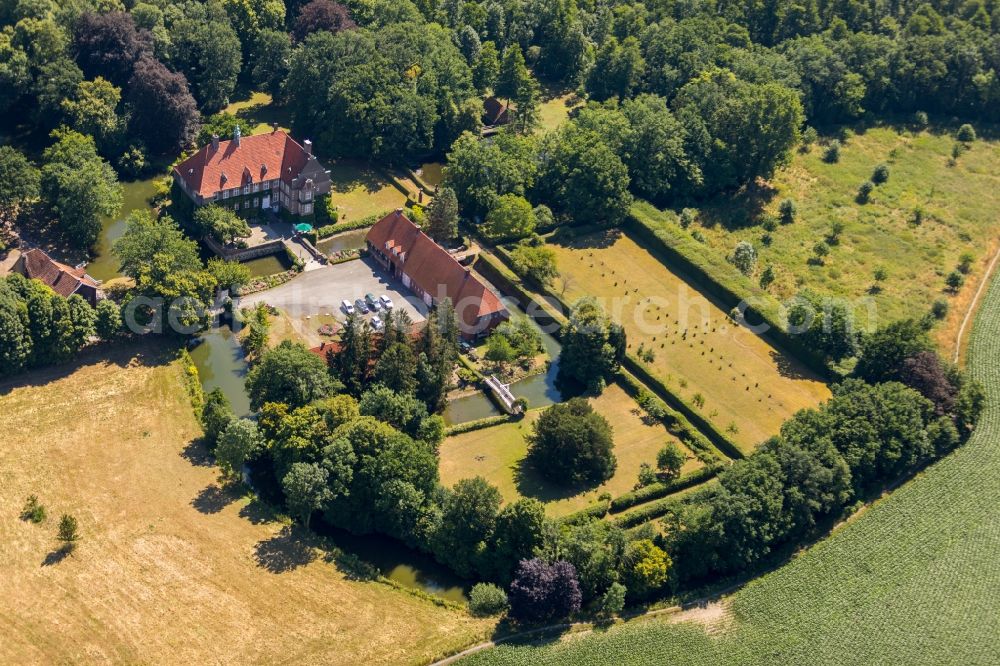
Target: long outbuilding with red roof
430,272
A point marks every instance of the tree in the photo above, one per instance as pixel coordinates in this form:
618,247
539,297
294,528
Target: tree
669,460
468,517
612,601
654,150
511,218
221,223
826,325
571,444
271,60
163,113
442,216
228,274
289,374
209,51
966,133
582,178
487,68
487,599
78,186
536,262
402,411
618,69
593,347
109,45
396,368
108,320
541,592
216,415
321,15
647,568
927,373
787,211
883,352
518,533
305,488
19,181
239,443
499,351
34,511
481,171
744,257
69,532
94,110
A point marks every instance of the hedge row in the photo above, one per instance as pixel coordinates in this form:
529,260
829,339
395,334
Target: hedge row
716,436
662,489
674,421
718,277
598,510
660,508
478,424
340,227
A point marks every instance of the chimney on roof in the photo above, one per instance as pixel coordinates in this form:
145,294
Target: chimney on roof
263,168
215,142
307,145
399,211
236,136
274,128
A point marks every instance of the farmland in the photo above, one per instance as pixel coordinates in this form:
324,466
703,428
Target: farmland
958,205
695,349
496,453
170,568
912,580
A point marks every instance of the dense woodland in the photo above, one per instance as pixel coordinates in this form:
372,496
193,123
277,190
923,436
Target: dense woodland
686,100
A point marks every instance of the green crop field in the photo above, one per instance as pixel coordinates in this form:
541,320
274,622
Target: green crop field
912,580
743,384
496,454
959,206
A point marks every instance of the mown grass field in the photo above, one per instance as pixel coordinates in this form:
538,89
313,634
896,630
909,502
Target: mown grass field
911,580
960,206
169,569
555,108
360,190
496,454
747,387
259,112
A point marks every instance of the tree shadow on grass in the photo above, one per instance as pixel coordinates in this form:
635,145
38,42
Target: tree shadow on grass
531,483
739,209
259,512
57,556
285,551
595,240
197,454
789,368
213,499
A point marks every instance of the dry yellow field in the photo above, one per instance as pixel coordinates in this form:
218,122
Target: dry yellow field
748,388
169,570
496,454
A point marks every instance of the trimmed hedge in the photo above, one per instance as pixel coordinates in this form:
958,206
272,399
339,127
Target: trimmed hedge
662,489
660,508
598,510
478,424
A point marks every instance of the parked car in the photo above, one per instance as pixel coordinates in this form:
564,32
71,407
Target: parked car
371,301
346,306
465,347
377,323
385,301
361,306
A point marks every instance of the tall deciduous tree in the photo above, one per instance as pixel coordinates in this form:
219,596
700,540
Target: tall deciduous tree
306,490
289,374
19,181
163,112
572,444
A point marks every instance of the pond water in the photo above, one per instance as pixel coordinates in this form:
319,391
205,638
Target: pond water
347,240
399,563
539,390
219,358
268,265
431,173
135,195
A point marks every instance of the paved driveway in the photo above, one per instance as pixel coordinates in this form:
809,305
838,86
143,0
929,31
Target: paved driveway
321,291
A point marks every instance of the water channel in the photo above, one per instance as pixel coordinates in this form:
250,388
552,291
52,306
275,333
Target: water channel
135,196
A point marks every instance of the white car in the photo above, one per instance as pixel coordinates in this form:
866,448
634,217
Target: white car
376,323
347,307
385,301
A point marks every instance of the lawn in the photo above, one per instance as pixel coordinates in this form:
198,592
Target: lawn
259,112
555,108
360,190
911,580
170,569
496,454
744,385
960,206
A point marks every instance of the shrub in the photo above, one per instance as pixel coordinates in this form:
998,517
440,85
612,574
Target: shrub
881,174
954,281
918,216
965,262
809,137
698,236
744,257
865,191
487,599
966,133
769,224
832,153
939,309
68,533
612,602
767,277
920,120
687,216
646,475
787,211
33,510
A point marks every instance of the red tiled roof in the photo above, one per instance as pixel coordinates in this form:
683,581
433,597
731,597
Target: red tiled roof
433,269
63,279
258,158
